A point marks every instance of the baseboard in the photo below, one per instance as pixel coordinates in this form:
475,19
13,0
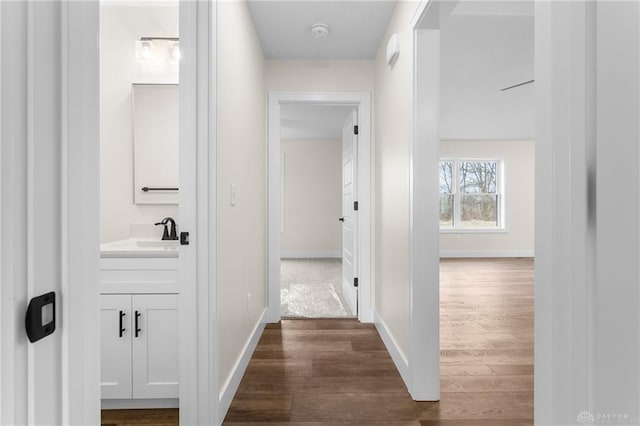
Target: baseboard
290,254
486,253
231,386
132,404
398,357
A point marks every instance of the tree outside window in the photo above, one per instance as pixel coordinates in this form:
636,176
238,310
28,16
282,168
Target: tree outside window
470,194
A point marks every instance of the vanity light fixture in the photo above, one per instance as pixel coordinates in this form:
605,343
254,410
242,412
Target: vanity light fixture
144,47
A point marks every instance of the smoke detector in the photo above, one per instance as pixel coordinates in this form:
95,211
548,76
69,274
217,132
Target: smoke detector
319,30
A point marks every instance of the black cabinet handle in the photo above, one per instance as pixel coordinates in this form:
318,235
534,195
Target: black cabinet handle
137,328
341,219
122,329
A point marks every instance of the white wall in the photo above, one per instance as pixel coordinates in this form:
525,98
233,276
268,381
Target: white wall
518,238
242,162
120,27
328,76
481,55
391,177
312,198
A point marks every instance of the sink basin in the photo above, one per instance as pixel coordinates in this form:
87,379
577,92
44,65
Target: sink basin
167,244
140,247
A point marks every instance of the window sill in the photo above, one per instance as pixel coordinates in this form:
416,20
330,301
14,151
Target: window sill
473,231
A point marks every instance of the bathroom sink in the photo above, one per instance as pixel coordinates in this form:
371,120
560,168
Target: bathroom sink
167,244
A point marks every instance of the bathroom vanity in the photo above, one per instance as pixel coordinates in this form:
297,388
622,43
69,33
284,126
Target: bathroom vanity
139,323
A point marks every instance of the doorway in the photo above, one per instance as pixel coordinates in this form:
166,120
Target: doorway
341,261
487,203
187,317
139,181
313,179
480,209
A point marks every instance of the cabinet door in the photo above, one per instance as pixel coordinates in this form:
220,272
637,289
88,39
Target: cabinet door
155,346
115,346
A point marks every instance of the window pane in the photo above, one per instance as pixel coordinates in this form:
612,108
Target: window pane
446,177
446,211
478,177
478,211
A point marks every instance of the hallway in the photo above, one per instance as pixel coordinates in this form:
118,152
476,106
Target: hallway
332,371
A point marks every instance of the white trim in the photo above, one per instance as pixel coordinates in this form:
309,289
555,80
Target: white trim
4,321
485,253
199,351
474,231
13,358
293,254
399,358
80,228
363,102
424,232
566,282
230,388
130,404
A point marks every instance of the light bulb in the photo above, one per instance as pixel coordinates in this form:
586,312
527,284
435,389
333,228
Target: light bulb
174,51
143,50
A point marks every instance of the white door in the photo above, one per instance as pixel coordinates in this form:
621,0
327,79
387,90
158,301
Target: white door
36,254
349,214
115,346
155,345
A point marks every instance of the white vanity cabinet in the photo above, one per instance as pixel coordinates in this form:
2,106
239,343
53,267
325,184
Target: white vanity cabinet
139,332
139,362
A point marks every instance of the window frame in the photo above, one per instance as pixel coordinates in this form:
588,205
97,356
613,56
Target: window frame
456,208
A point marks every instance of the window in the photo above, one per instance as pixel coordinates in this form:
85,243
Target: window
470,195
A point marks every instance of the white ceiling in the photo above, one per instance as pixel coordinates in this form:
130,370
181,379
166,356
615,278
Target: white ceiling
481,55
355,28
487,45
312,122
494,8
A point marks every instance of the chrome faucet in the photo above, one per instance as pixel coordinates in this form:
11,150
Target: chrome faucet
168,235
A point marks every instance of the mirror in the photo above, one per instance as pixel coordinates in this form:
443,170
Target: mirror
155,142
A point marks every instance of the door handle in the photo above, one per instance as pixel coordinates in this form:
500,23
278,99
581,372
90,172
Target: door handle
138,314
341,219
122,329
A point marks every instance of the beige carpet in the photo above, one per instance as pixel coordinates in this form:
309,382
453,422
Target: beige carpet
312,288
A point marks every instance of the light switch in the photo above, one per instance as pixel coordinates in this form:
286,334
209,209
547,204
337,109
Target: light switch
234,194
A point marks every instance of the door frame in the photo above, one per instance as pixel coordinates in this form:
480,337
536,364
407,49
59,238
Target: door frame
362,102
199,348
565,246
424,231
78,301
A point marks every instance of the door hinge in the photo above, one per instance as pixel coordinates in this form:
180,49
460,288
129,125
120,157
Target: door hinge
355,282
355,205
355,130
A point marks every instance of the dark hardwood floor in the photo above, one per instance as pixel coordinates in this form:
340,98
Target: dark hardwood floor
158,417
338,371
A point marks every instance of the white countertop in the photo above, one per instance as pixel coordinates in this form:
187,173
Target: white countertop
140,247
